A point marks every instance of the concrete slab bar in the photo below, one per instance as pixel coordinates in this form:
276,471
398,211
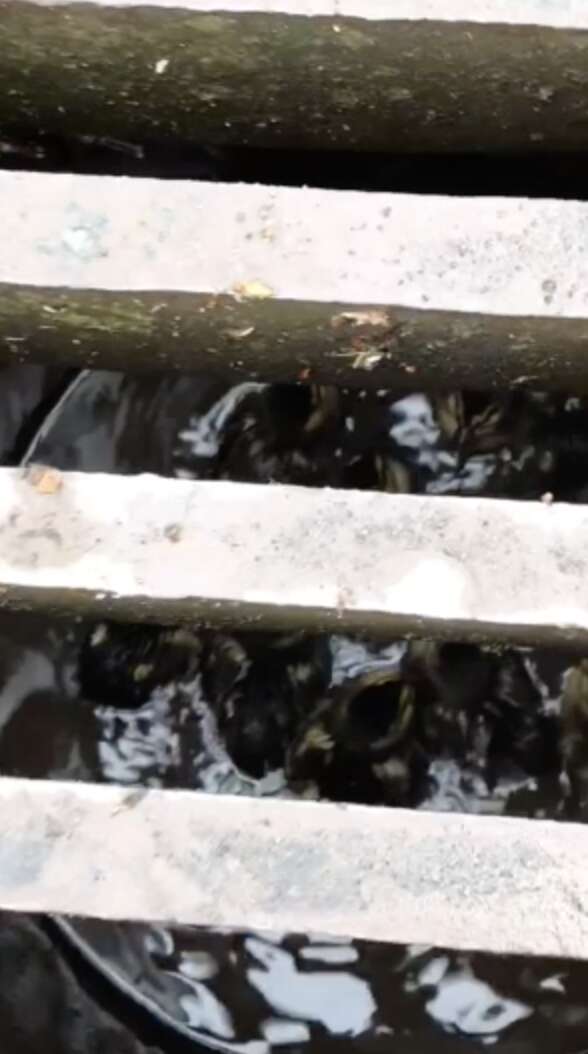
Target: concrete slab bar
357,289
278,556
482,883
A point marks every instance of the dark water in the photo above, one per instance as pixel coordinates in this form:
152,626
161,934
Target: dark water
464,729
26,396
520,174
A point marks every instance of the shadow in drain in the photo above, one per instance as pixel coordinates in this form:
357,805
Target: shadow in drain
453,727
250,992
528,175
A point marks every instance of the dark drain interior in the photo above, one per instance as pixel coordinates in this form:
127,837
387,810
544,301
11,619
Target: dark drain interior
503,174
428,345
380,722
462,727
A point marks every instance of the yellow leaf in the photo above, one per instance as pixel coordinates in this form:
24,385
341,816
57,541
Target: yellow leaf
254,290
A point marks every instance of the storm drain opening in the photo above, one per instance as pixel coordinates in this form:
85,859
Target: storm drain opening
293,559
317,709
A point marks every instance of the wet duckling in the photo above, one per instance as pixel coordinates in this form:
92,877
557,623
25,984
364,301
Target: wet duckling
312,435
120,664
522,733
356,745
485,427
260,687
392,476
456,680
283,433
574,737
564,452
490,444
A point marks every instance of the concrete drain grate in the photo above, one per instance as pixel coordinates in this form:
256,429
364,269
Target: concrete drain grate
364,290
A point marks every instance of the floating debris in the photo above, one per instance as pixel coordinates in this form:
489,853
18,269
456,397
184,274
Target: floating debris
45,480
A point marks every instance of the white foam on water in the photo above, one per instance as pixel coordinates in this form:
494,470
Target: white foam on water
340,1002
204,435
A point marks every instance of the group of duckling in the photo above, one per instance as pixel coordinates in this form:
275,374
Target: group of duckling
370,734
373,733
518,444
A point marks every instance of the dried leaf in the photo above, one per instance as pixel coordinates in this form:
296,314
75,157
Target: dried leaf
367,360
254,290
240,334
374,317
44,479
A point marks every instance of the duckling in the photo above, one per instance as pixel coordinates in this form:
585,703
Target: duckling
574,737
486,430
260,687
456,680
392,476
356,746
121,664
491,439
564,453
522,733
449,413
283,433
326,409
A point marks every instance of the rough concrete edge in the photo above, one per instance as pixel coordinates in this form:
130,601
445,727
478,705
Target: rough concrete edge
145,547
508,12
481,883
